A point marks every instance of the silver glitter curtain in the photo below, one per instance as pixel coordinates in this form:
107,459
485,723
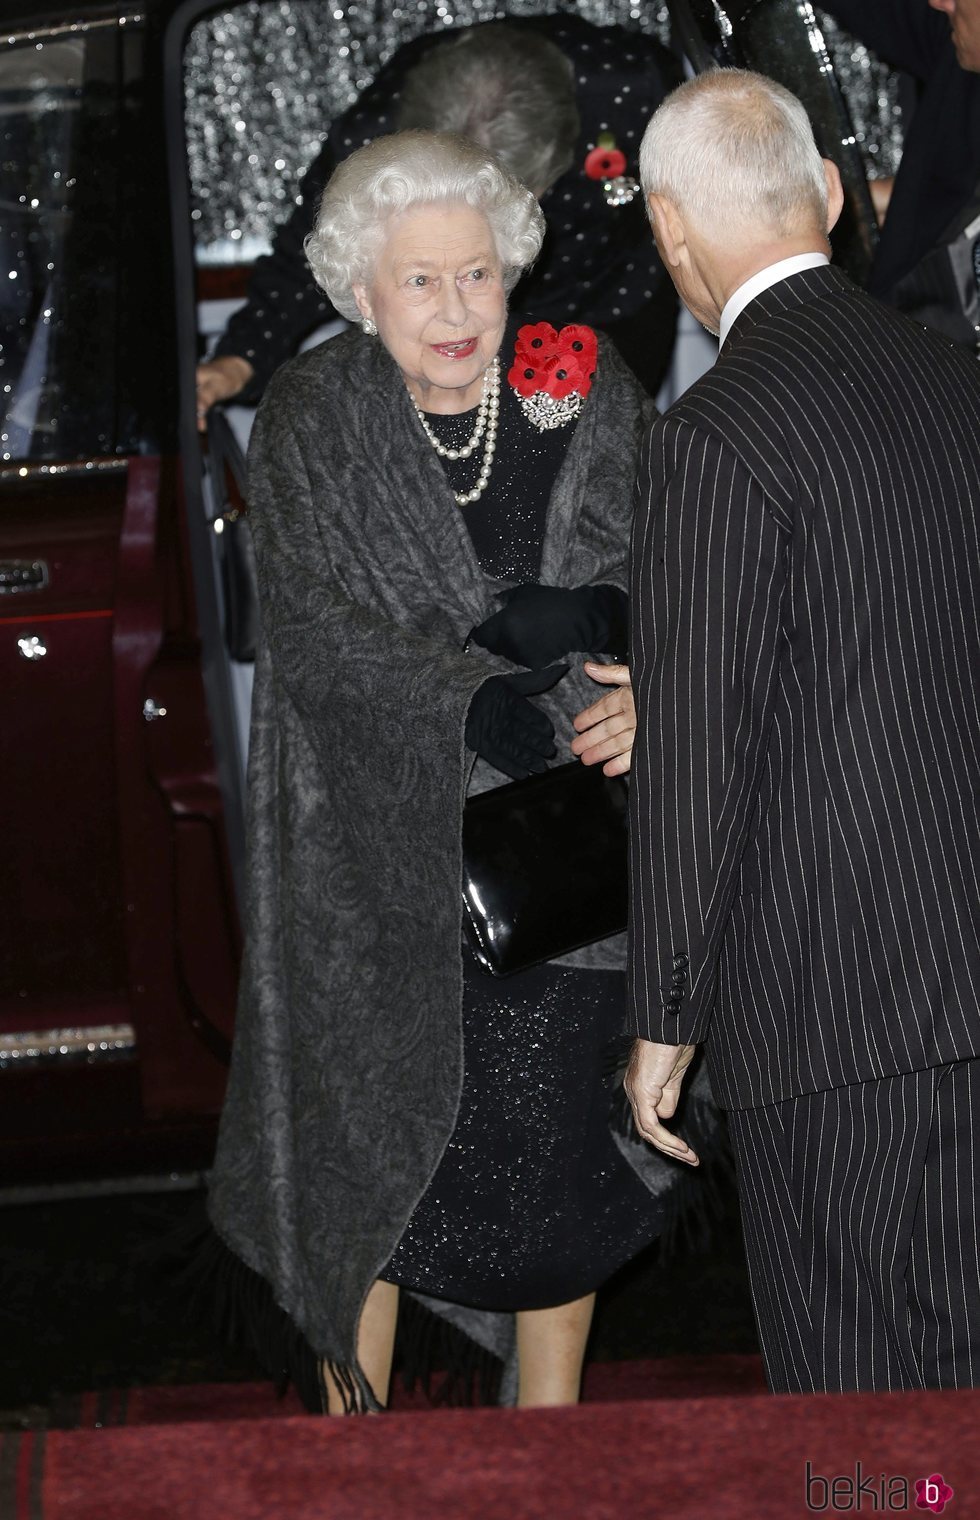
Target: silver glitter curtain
263,82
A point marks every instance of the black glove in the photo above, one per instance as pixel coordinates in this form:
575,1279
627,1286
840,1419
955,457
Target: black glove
508,730
537,624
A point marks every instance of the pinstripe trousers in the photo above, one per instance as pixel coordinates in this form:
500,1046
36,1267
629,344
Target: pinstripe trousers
861,1218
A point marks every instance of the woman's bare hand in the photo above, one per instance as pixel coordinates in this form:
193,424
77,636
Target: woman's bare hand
218,380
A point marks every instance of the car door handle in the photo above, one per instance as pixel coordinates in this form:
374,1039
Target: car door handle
22,575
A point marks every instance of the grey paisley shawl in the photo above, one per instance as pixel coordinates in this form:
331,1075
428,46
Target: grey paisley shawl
347,1064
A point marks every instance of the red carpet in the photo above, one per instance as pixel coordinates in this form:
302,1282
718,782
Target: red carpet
668,1378
688,1459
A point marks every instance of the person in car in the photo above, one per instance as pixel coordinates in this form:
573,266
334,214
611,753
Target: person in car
396,1117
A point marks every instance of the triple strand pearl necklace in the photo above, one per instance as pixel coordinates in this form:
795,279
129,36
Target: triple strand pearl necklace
486,428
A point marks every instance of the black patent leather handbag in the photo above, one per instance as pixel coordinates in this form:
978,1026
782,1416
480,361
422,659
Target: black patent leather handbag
544,866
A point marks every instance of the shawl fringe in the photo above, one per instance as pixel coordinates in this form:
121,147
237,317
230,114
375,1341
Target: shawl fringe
434,1355
244,1312
354,1389
240,1304
450,1368
696,1204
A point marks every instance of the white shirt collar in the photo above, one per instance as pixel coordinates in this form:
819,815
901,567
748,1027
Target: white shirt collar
754,286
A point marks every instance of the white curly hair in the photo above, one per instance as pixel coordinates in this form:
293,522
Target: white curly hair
392,175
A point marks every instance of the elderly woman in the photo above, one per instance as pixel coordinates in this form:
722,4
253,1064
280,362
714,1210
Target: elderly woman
397,1118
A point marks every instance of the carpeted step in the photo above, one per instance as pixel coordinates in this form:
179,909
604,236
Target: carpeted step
690,1459
677,1377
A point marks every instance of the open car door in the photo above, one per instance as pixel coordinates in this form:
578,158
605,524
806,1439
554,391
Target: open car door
120,794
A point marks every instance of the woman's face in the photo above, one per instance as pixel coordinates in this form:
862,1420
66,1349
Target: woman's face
438,300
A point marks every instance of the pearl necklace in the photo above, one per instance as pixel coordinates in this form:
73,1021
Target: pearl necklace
486,428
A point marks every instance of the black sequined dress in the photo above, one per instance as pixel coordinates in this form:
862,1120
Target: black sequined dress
532,1204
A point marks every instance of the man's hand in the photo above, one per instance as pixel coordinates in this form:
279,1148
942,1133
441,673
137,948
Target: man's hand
607,728
653,1085
218,380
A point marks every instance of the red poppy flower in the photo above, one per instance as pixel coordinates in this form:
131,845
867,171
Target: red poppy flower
581,341
605,163
537,340
556,363
566,377
529,375
576,361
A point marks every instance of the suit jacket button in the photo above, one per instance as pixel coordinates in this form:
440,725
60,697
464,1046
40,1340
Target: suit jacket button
680,959
673,1006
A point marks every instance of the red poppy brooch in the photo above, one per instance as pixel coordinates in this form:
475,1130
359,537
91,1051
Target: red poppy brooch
553,372
607,163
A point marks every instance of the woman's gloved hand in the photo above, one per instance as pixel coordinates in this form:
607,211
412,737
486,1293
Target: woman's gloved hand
537,624
506,728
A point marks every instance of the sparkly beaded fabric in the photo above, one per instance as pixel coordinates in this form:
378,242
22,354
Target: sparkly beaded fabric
533,1203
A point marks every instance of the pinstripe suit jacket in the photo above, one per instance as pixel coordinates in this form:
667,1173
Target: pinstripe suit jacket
806,604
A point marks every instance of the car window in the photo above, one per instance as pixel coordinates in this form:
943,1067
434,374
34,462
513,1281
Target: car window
263,81
57,212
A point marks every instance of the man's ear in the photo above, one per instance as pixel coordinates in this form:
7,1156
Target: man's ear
835,193
668,229
359,292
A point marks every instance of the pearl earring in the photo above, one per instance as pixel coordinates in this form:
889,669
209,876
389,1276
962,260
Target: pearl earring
368,327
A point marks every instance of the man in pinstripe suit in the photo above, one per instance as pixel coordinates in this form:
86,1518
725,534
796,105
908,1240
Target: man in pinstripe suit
805,845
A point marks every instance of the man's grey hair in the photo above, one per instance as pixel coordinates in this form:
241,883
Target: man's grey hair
735,153
397,173
508,89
